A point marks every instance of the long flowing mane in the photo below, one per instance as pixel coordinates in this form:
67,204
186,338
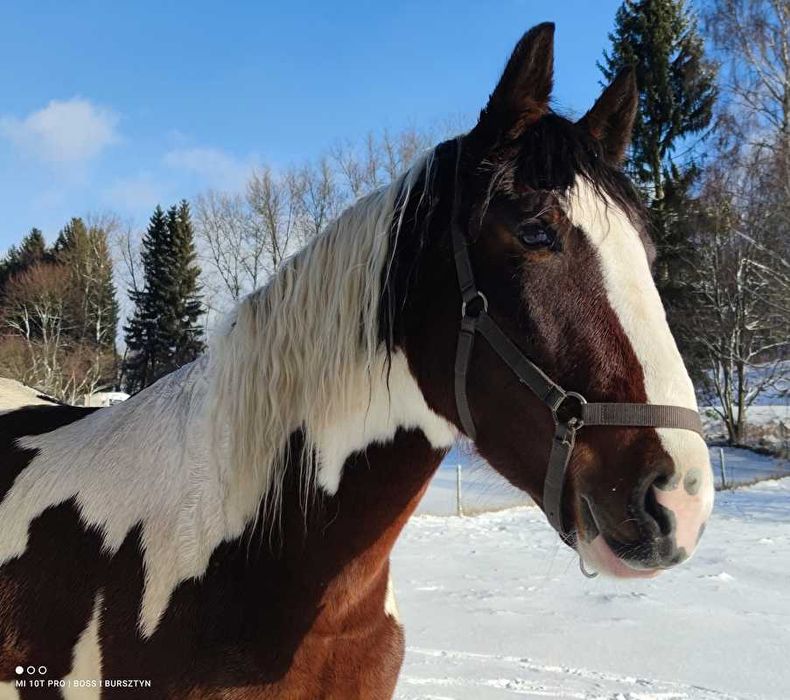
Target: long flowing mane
194,459
303,350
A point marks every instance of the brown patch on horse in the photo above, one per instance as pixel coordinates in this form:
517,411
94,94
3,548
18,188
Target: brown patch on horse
298,615
30,420
14,651
47,594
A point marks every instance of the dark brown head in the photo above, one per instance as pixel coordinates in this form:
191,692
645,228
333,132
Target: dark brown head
559,246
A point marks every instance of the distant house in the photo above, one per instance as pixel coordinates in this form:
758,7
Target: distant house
104,398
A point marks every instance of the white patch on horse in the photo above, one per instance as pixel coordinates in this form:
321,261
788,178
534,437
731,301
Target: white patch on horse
383,404
633,296
8,691
145,461
190,458
304,352
86,663
390,603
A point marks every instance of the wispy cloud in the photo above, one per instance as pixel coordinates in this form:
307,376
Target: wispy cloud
213,166
65,131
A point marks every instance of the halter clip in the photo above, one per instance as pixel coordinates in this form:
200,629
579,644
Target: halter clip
478,295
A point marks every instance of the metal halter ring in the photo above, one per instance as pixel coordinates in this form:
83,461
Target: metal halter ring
478,295
575,422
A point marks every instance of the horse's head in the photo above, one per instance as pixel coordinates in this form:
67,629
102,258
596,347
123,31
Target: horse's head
559,246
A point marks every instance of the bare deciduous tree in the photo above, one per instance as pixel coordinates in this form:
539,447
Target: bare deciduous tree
222,225
734,322
245,237
754,37
274,204
37,348
735,317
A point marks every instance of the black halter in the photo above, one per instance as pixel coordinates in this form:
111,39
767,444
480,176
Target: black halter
569,410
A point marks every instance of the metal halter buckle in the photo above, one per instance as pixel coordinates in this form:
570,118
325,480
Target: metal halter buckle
478,295
574,420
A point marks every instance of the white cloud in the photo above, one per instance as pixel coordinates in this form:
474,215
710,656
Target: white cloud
215,167
65,131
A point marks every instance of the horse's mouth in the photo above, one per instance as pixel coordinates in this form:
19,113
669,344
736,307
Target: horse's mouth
598,555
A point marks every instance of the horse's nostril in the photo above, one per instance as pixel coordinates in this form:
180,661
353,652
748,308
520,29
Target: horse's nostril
662,517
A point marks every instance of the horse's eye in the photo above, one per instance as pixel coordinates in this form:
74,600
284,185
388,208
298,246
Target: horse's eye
534,236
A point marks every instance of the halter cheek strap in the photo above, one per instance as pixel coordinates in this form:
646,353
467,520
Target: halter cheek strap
569,410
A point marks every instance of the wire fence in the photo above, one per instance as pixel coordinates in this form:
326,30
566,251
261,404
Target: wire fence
462,488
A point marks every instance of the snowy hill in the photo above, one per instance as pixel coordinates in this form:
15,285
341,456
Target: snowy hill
14,394
495,607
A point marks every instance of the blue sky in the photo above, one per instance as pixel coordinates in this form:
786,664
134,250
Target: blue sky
119,106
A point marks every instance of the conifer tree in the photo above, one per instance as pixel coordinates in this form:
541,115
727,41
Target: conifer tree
677,91
32,250
188,340
164,333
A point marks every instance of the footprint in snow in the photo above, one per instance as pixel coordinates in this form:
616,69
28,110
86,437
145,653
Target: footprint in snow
723,576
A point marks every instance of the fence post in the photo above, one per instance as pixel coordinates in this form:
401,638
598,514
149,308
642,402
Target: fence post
722,468
458,501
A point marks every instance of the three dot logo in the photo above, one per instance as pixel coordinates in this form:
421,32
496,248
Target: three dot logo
31,670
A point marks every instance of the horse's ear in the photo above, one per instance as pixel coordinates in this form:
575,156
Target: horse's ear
612,117
522,95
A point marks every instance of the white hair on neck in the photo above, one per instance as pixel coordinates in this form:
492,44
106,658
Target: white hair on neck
300,351
191,458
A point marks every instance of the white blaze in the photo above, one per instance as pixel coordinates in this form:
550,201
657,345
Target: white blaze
633,296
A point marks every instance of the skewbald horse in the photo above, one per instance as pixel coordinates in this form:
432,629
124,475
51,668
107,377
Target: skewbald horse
226,533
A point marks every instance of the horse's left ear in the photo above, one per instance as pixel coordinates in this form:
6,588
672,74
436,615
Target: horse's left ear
612,117
522,95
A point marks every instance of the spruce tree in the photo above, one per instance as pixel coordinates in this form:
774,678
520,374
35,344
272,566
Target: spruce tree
164,333
32,250
147,357
188,304
677,91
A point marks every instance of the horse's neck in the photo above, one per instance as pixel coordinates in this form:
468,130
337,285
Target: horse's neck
374,465
335,554
151,463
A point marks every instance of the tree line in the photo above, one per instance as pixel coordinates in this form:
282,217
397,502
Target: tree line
59,311
710,156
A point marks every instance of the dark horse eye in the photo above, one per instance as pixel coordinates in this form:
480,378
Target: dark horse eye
534,236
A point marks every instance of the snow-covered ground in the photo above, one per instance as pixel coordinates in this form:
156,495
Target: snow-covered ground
495,607
13,395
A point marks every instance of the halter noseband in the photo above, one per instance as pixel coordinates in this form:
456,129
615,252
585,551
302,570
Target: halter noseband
569,410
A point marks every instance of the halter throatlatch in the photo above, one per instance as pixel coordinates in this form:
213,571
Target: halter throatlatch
569,410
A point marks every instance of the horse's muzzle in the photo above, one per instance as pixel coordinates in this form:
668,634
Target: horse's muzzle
660,528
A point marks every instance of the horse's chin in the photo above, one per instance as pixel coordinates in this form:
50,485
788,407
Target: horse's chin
598,556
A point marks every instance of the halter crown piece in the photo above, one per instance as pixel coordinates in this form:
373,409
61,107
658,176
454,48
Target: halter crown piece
569,409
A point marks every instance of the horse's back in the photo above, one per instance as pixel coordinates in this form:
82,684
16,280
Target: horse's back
47,593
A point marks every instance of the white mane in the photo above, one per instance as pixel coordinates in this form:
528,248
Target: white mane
299,352
191,458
